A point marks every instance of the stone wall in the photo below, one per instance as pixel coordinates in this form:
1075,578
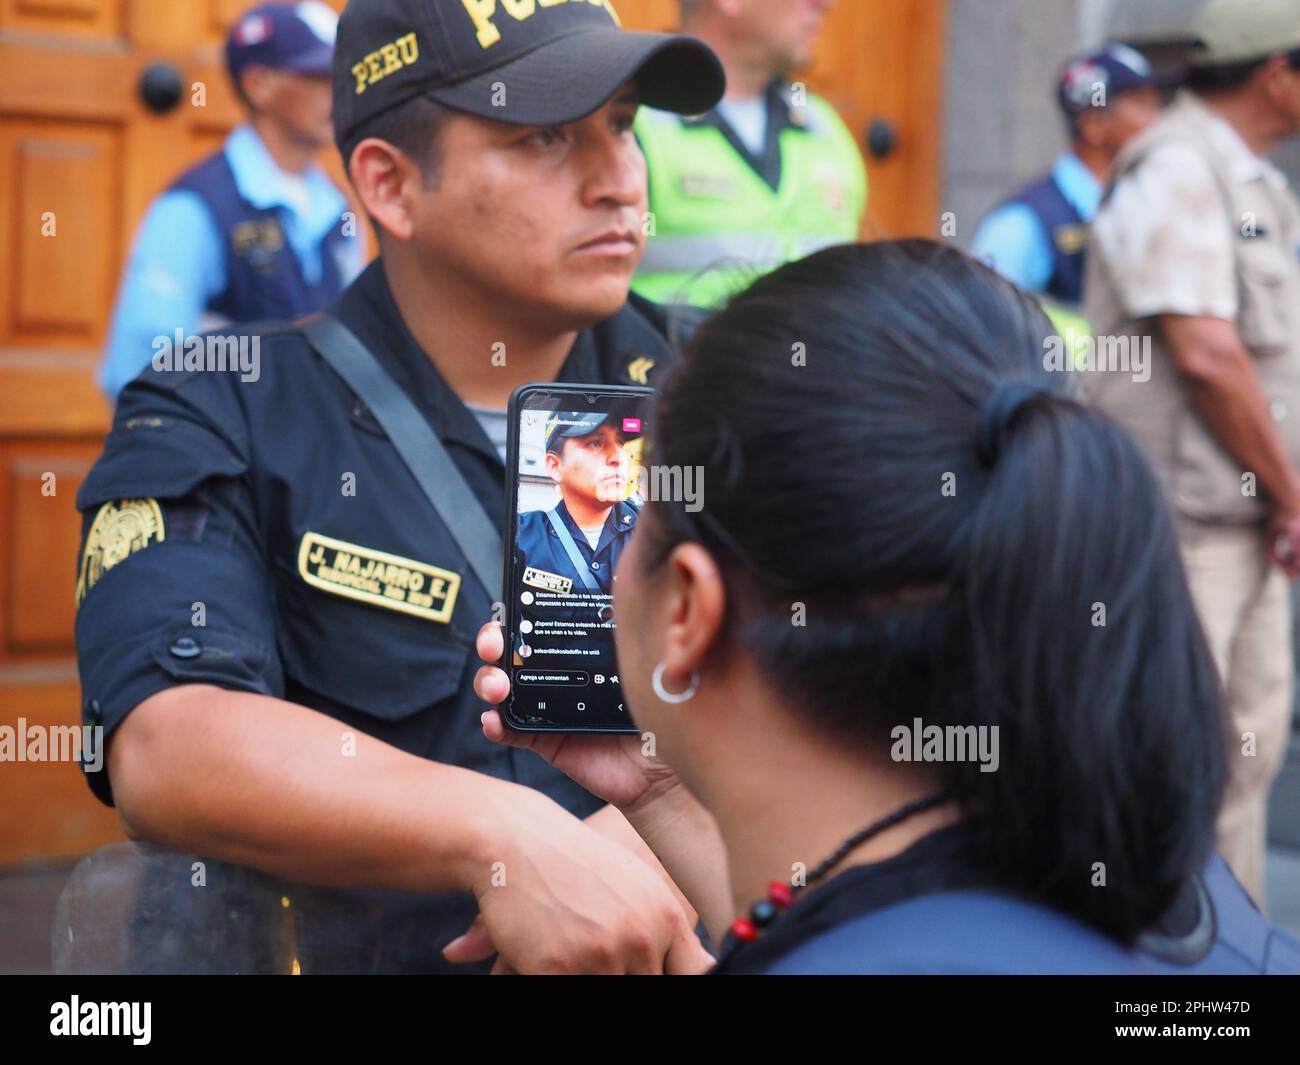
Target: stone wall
1002,125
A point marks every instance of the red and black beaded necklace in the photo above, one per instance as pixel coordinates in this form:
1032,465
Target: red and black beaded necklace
781,896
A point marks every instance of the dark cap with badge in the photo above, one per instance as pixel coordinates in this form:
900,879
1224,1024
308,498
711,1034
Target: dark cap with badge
1095,80
527,62
572,425
298,37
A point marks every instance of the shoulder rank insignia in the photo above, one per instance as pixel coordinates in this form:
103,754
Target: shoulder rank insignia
638,368
547,582
378,578
120,529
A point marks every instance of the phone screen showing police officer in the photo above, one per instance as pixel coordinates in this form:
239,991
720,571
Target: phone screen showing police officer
577,475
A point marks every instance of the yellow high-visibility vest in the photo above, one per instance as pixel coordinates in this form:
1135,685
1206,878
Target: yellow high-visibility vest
716,223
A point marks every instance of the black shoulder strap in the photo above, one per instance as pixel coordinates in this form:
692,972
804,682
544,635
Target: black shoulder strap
421,450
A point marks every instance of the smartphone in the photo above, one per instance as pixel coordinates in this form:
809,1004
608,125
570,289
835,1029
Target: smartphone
574,481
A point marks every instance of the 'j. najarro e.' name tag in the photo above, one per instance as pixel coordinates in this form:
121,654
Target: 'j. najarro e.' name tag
547,582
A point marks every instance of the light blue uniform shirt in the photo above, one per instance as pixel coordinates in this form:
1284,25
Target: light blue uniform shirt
178,260
1011,238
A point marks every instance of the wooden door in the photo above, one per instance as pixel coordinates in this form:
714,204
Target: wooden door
81,156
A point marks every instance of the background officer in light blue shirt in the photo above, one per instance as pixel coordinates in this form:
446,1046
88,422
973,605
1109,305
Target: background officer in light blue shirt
257,230
1036,238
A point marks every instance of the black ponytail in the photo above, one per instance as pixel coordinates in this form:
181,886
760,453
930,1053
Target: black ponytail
1085,651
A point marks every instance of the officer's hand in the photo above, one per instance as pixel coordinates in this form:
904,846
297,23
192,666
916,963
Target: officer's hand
611,767
559,897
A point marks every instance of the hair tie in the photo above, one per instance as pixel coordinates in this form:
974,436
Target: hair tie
998,411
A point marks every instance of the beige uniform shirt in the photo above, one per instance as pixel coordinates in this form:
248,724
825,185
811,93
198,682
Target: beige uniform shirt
1196,224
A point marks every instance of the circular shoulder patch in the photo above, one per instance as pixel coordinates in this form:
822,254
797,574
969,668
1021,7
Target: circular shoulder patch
120,529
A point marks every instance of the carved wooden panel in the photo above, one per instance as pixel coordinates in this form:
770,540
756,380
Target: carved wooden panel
59,199
39,532
80,18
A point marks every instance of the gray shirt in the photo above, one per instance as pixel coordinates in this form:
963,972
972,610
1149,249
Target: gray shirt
496,424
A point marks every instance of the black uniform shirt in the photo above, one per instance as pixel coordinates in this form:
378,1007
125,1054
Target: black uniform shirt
265,536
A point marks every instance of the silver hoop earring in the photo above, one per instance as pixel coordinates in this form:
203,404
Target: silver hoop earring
657,682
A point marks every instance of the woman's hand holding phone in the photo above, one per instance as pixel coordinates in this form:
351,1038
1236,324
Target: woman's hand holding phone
611,767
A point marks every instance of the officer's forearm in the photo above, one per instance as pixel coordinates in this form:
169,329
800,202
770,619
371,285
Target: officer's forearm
282,788
1226,393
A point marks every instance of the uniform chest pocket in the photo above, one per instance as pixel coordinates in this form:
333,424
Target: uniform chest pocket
382,662
1268,284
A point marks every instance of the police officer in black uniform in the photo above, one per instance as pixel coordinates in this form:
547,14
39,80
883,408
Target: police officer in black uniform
275,625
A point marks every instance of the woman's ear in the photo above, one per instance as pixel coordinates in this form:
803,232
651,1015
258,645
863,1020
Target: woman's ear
382,176
697,605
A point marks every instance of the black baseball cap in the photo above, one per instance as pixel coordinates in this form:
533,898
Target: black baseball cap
572,425
527,62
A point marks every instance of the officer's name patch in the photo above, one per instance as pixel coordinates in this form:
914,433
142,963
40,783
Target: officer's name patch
377,577
547,582
710,186
120,529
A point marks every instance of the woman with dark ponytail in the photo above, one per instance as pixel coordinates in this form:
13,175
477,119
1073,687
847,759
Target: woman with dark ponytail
921,684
